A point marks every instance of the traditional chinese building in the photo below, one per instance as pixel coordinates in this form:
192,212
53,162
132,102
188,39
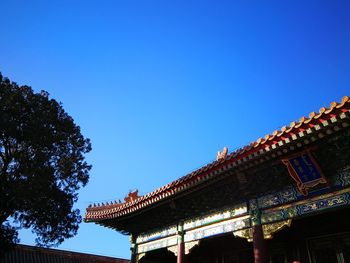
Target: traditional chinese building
283,198
30,254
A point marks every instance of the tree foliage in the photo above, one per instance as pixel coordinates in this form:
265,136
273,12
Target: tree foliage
42,166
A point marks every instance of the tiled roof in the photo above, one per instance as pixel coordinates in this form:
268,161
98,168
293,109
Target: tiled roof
30,254
296,130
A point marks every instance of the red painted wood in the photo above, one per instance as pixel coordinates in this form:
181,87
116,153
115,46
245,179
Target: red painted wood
181,252
259,244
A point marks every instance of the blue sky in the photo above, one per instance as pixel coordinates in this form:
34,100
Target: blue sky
160,86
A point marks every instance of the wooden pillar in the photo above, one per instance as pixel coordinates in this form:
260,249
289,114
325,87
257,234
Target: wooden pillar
296,252
133,249
259,244
181,252
180,244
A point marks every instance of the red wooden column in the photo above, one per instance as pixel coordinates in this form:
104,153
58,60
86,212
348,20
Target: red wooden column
259,244
133,249
180,244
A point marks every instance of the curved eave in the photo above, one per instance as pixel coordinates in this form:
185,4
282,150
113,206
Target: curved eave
335,116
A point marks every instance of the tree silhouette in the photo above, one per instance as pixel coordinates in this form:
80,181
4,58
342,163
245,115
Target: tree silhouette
42,166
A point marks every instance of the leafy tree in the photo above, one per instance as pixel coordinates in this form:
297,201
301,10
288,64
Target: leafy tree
42,166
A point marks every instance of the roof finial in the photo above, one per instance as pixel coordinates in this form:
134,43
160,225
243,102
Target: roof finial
133,195
222,155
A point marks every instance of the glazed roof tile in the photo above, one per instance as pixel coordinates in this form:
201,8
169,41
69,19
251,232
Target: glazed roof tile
307,125
30,254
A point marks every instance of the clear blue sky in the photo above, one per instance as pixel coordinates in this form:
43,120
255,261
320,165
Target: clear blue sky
160,86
